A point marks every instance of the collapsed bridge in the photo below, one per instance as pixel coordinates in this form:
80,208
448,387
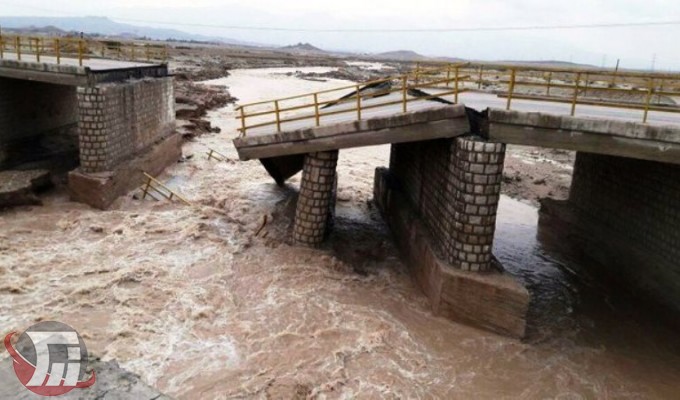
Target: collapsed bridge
440,193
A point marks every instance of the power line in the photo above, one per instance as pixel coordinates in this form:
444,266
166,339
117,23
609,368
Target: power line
412,30
611,25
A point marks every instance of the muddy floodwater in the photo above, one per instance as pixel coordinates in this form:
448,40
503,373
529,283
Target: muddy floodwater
210,302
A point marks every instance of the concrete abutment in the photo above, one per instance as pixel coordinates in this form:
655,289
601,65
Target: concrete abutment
125,129
110,124
624,214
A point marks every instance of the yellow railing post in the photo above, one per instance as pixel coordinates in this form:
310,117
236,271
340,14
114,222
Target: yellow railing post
404,91
80,52
417,72
650,93
37,49
278,116
243,120
146,188
359,102
479,83
316,109
17,47
455,89
448,75
511,89
57,50
576,88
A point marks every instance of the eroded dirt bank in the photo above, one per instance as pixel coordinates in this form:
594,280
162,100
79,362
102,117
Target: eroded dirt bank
190,298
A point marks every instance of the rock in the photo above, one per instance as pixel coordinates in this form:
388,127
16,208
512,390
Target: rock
113,383
19,188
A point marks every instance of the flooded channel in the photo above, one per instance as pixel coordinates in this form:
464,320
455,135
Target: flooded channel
204,302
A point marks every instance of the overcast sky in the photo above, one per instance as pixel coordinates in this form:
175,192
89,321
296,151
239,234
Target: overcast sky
636,46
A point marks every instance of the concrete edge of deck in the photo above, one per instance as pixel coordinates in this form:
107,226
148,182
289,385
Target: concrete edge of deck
434,123
610,137
71,75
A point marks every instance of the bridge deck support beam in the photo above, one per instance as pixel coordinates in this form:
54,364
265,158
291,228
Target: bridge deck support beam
316,203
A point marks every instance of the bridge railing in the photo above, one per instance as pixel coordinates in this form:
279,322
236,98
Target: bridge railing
646,92
398,92
56,49
594,87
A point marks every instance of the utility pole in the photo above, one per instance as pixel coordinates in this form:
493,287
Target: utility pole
616,71
653,62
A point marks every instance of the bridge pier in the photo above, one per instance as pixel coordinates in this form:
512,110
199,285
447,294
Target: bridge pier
111,121
124,129
316,202
440,199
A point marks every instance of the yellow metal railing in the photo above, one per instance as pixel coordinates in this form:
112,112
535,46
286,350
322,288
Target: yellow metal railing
577,83
354,99
153,185
56,49
594,87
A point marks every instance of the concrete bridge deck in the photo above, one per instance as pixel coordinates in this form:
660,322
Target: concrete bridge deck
69,71
615,136
94,64
381,107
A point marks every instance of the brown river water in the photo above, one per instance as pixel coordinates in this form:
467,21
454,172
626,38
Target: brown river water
191,299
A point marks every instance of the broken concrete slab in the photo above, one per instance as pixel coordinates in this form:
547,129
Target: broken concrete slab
18,188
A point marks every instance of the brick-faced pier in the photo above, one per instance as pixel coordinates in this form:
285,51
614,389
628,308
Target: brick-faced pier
440,198
314,211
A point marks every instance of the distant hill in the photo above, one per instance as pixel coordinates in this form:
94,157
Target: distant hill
400,55
104,26
303,48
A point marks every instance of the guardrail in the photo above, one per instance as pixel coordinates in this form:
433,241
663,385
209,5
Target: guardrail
646,92
353,99
38,48
595,87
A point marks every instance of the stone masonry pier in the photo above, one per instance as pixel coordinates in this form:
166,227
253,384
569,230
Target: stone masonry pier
440,198
119,118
